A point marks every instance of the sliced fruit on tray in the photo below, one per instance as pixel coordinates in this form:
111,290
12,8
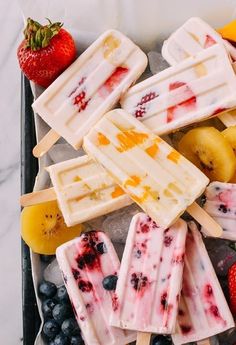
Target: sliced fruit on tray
207,148
45,52
230,135
43,228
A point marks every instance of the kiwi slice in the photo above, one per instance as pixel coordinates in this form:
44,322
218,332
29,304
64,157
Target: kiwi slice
207,148
230,135
43,228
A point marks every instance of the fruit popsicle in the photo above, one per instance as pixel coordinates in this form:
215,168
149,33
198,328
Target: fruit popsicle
90,86
203,310
161,181
150,277
90,266
221,205
190,39
85,190
193,90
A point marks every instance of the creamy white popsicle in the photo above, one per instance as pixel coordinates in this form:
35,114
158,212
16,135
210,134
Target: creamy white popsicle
150,278
197,88
92,85
152,173
203,310
190,39
85,262
85,190
221,205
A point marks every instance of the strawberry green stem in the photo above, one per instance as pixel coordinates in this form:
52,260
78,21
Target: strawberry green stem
38,36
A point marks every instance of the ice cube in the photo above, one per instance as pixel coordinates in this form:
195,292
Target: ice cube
156,62
62,152
117,223
53,274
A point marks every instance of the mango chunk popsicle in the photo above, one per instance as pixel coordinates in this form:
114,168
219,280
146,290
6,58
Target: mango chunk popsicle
159,179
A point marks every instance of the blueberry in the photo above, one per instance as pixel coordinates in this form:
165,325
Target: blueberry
70,327
101,248
47,307
51,328
62,295
61,339
61,312
46,258
109,282
47,289
161,340
76,340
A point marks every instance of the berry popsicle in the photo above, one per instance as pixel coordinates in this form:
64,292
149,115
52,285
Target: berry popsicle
83,188
203,310
161,181
90,266
190,39
221,205
193,90
91,86
150,278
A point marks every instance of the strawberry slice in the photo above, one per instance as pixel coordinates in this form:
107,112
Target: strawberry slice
188,105
232,287
209,41
114,80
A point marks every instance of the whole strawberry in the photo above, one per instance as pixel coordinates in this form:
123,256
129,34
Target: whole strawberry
232,287
45,52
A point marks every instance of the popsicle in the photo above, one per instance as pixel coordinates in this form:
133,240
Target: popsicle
161,181
88,88
90,266
83,188
221,205
190,39
203,310
150,277
193,90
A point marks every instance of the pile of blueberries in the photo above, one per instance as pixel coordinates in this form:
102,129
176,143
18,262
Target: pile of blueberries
60,326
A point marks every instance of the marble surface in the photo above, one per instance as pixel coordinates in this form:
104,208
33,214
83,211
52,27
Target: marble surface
10,257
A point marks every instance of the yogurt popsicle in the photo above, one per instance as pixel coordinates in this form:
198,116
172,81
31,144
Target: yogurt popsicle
193,90
150,278
221,205
90,86
190,39
203,310
85,190
86,264
161,181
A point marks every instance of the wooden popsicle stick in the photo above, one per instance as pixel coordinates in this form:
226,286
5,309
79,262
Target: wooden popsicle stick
204,342
143,338
38,197
46,143
211,227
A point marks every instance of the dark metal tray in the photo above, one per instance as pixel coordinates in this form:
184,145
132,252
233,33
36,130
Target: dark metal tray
29,168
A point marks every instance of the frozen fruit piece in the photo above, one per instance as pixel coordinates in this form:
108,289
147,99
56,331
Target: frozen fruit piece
76,340
62,295
47,289
45,52
51,328
61,312
209,151
47,307
109,282
230,135
161,340
229,31
61,339
70,327
232,287
43,228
